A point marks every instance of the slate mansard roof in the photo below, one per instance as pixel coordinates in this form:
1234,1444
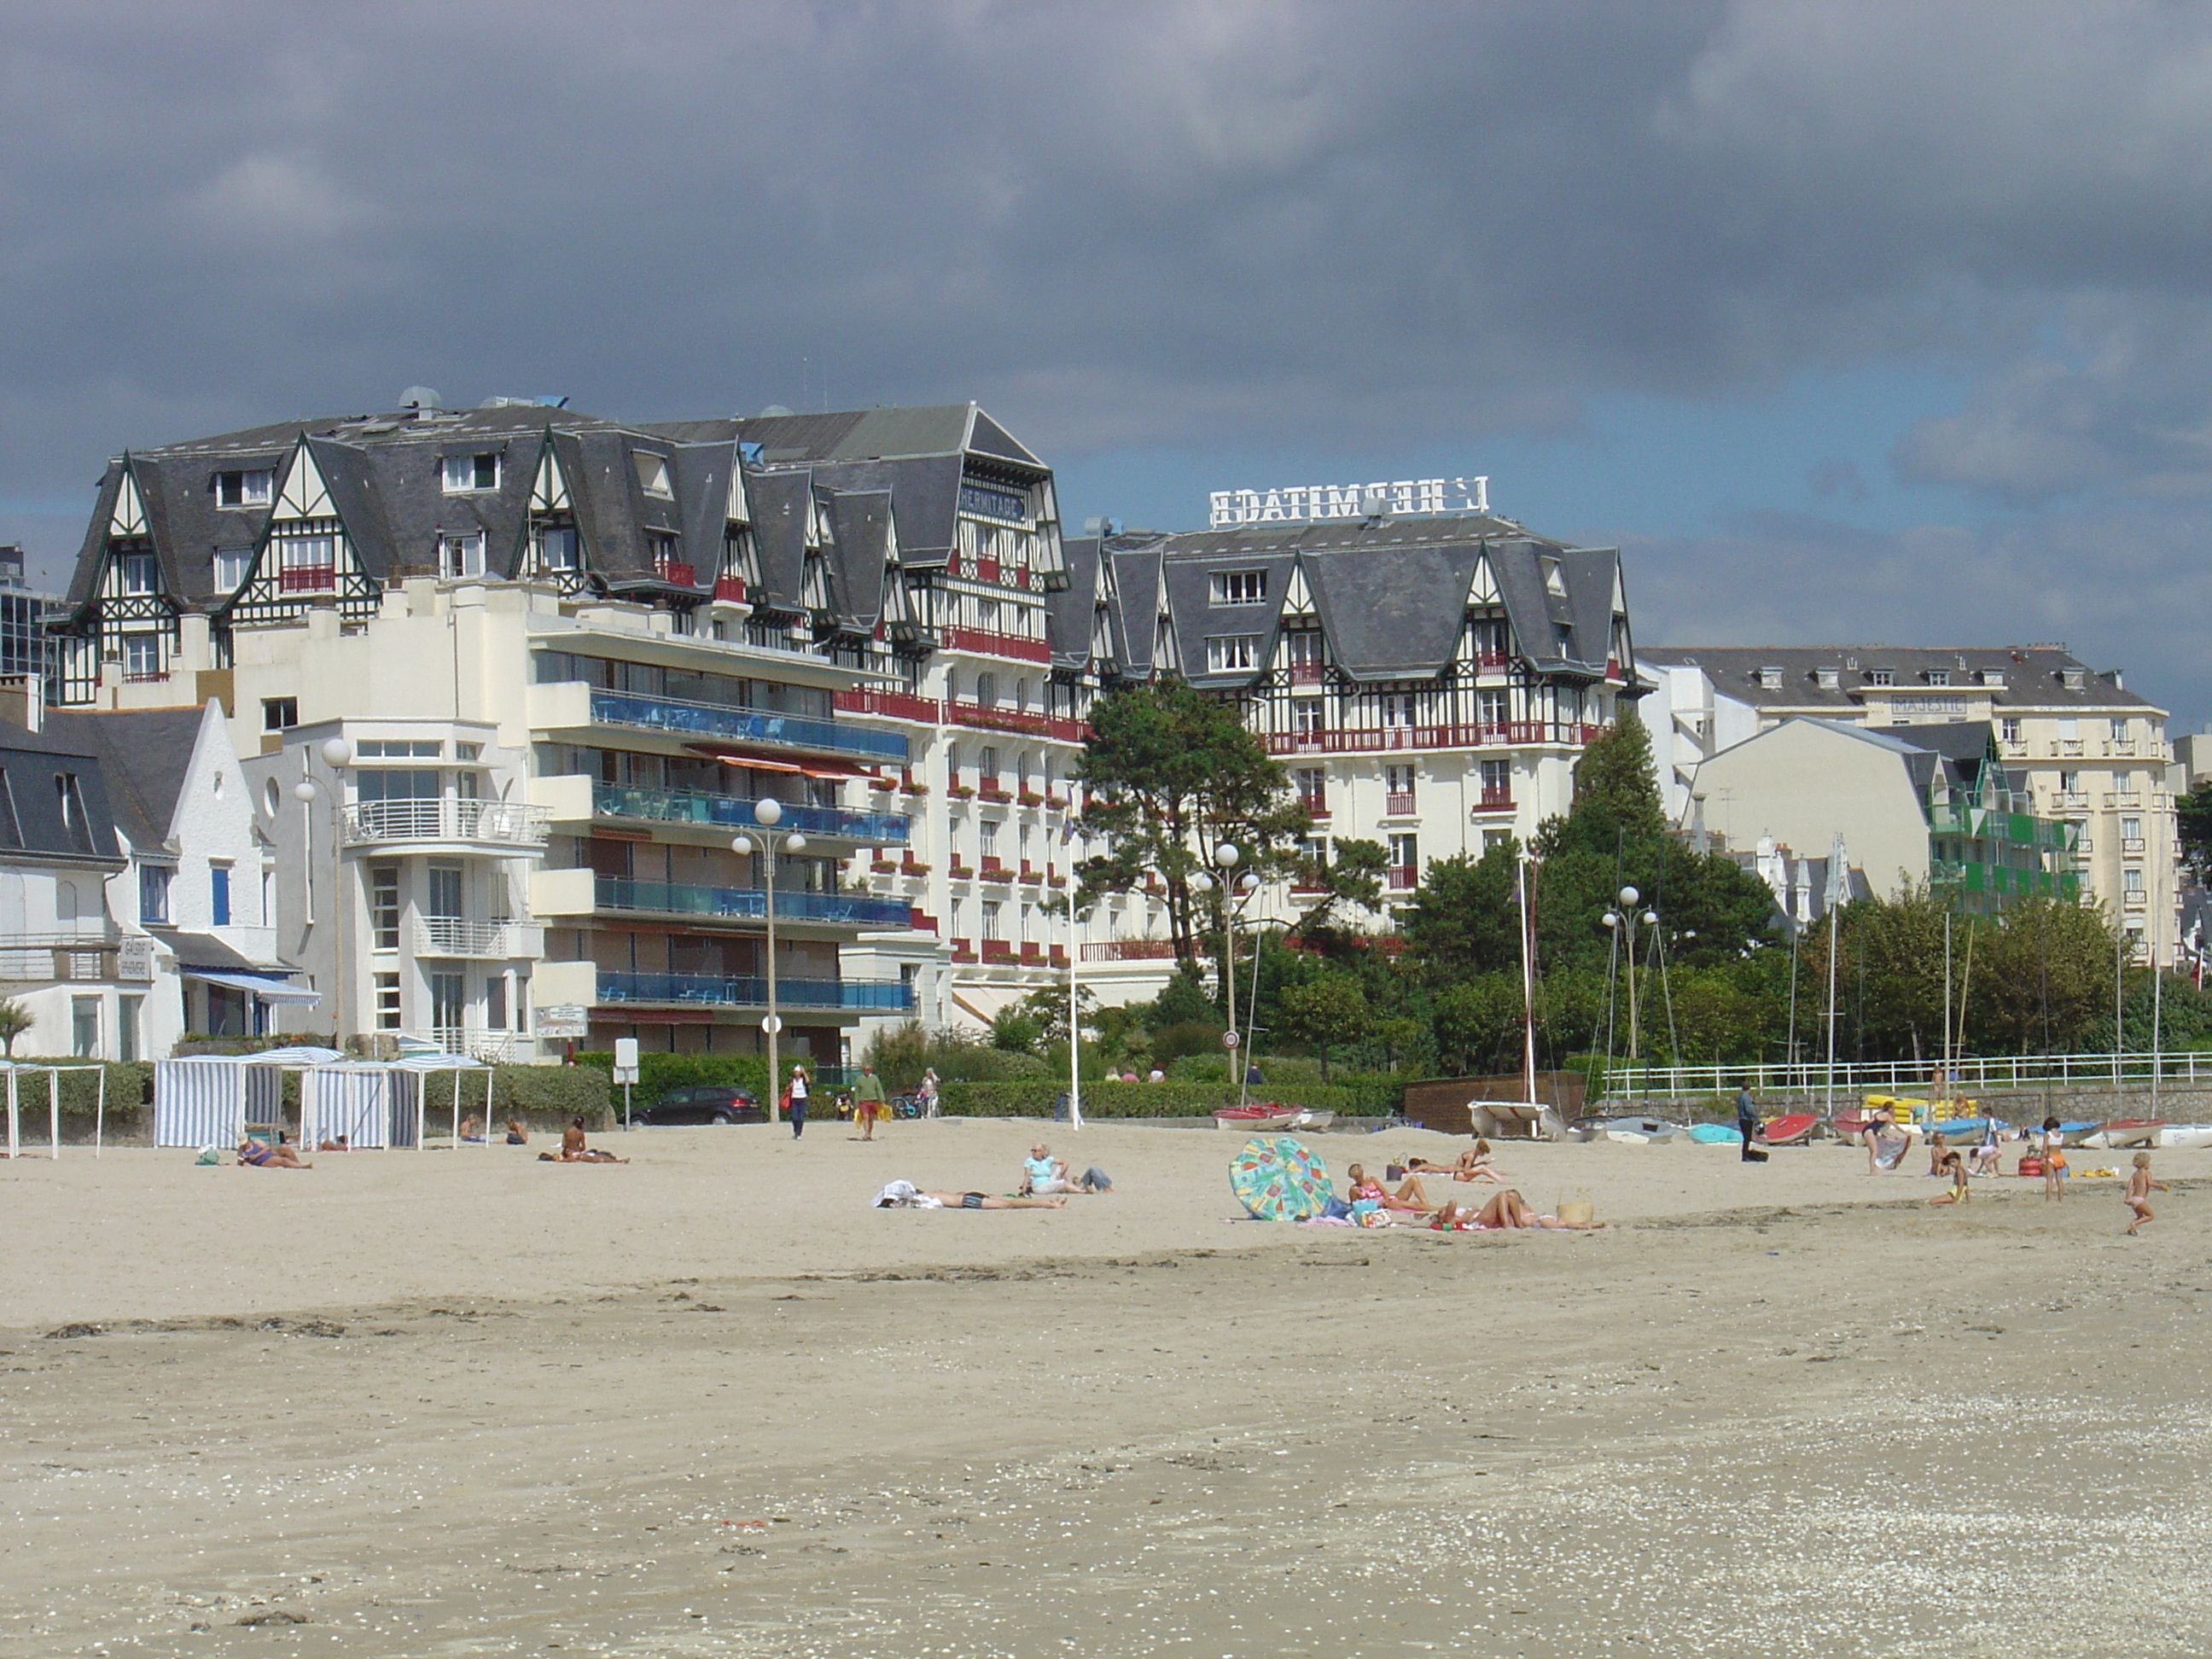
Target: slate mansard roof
865,475
1390,595
2027,677
32,763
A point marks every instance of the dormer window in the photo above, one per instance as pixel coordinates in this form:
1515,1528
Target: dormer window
652,473
246,489
1882,677
1994,678
2072,679
137,573
1939,677
1240,586
460,555
1228,654
556,548
470,472
1554,583
1828,680
1769,679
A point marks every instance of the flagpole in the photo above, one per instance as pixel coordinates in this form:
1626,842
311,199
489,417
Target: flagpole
1074,1007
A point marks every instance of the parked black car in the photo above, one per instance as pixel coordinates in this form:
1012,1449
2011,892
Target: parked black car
702,1102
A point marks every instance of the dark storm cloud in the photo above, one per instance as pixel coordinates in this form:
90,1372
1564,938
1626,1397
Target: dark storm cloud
1120,225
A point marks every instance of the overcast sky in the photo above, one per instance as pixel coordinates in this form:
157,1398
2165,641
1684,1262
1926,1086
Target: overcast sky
1850,321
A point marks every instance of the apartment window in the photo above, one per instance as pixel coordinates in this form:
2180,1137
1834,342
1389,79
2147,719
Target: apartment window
279,714
1490,707
1939,677
1398,779
469,472
1226,653
468,752
1306,718
495,1003
986,690
231,566
127,1010
443,894
84,1027
384,906
305,564
449,1000
2008,729
2131,882
137,573
2069,783
387,1002
1493,838
1405,860
556,549
1240,586
1497,781
153,892
253,488
987,834
1313,788
987,767
991,908
460,555
219,895
1396,708
400,749
1303,648
2119,730
75,825
142,656
2131,829
651,472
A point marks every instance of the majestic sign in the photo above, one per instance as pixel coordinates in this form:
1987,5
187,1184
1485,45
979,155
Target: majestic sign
1227,508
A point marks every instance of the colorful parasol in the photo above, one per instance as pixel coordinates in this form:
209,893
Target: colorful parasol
1277,1179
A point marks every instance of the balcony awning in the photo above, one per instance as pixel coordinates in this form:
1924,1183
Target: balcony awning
268,990
734,755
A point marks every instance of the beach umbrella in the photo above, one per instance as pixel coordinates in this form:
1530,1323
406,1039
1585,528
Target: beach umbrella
1277,1179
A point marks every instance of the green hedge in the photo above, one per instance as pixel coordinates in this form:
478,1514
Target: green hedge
1371,1097
658,1072
543,1097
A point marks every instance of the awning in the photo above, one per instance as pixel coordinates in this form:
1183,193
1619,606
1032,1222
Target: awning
268,990
811,768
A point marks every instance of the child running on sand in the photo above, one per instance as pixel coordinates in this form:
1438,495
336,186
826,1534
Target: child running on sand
2140,1187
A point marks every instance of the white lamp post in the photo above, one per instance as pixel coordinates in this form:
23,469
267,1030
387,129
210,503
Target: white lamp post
768,812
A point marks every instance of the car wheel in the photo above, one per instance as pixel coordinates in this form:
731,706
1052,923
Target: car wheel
723,1117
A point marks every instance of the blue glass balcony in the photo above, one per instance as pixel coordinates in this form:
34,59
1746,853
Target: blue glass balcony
704,719
846,909
721,991
610,801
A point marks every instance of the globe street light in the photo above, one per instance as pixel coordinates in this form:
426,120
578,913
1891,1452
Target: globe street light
768,812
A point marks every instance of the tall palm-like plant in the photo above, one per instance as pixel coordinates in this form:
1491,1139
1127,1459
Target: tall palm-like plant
15,1020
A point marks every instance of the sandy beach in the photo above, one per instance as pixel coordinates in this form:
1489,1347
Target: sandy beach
709,1403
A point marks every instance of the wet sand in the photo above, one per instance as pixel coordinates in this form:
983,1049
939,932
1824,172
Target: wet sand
709,1404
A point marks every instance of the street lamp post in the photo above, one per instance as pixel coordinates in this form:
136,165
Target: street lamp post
768,812
1226,856
1625,919
338,755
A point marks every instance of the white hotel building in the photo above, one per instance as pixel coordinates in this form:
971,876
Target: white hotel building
567,655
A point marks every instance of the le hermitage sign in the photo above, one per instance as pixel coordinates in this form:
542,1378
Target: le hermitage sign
1408,497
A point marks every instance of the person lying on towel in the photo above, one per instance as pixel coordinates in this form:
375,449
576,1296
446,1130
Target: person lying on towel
573,1151
263,1156
905,1195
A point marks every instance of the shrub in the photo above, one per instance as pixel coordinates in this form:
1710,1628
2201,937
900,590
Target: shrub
1371,1098
660,1072
543,1097
1171,1043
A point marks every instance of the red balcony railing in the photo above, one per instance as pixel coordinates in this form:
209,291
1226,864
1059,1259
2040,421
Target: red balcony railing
1016,720
1492,661
1032,953
1360,739
984,643
1305,673
731,590
1316,805
310,579
962,951
1398,804
1495,800
1404,877
1129,950
895,705
998,950
676,573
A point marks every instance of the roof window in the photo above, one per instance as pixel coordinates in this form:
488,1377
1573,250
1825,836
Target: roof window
651,472
1937,676
1994,678
1769,678
2073,678
1240,586
1554,583
467,472
247,489
1828,680
1882,677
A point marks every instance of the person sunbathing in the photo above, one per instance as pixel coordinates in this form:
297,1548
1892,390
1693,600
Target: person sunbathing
573,1151
516,1134
1505,1212
263,1156
343,1144
1474,1164
905,1195
1408,1196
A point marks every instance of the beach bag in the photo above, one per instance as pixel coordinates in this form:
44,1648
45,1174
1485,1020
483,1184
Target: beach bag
783,1100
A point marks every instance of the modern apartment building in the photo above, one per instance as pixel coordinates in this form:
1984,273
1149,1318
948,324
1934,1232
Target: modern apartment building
2082,748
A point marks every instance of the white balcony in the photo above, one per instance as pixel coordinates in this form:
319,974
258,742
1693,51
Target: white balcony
456,936
508,826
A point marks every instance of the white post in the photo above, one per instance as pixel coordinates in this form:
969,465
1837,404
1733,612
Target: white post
2157,990
99,1115
54,1113
1074,1002
1528,984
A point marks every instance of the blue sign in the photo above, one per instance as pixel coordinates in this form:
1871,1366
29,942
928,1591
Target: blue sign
987,503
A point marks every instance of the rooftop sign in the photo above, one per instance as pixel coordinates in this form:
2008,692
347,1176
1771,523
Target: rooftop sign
1297,503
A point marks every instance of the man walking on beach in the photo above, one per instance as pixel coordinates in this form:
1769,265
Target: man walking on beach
1747,1122
867,1101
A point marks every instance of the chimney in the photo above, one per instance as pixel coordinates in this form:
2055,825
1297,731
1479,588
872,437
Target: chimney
19,703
